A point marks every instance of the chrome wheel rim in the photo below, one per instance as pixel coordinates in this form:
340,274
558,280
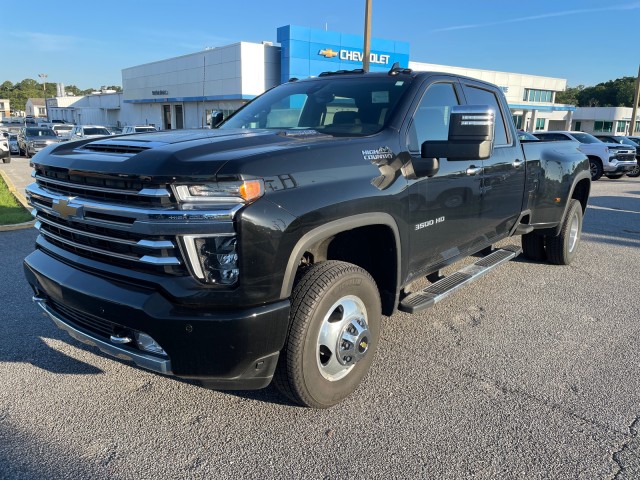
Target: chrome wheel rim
344,338
573,233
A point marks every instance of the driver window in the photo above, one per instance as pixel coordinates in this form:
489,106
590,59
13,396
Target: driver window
431,119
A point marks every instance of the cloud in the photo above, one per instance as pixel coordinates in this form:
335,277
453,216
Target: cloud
47,42
626,6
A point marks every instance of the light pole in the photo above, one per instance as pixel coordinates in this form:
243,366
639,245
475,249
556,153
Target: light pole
44,76
367,36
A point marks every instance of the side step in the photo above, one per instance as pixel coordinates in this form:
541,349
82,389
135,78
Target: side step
418,301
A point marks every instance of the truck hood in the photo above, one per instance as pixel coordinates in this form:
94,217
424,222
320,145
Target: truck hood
184,153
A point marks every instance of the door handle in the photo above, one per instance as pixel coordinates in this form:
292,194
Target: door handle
517,163
473,170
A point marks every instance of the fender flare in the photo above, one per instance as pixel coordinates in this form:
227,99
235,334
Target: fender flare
332,228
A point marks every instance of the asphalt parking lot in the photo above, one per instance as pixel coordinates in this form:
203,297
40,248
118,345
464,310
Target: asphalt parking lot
531,372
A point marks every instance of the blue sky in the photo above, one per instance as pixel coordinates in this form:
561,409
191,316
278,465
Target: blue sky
88,44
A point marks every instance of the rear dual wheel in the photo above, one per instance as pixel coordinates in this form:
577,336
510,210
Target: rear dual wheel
333,335
562,248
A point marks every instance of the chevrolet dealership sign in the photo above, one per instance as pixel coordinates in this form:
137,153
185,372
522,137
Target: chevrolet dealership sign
354,56
307,52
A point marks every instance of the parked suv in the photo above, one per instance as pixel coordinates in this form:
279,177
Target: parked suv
610,159
139,129
88,131
33,139
63,130
628,141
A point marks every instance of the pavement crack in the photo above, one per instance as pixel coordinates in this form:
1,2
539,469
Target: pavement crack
627,454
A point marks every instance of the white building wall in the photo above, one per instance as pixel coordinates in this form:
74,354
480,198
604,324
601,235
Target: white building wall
587,117
515,83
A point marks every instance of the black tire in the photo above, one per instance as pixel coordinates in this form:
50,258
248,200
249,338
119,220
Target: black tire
6,160
615,176
562,248
533,247
22,152
595,167
309,371
635,172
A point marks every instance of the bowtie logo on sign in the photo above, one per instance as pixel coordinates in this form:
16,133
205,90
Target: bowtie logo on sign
354,56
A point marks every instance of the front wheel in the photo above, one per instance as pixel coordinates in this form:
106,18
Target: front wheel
333,335
595,167
561,249
6,160
635,172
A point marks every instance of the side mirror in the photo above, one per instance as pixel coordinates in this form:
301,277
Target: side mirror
471,135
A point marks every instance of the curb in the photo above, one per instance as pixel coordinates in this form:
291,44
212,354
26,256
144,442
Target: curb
21,198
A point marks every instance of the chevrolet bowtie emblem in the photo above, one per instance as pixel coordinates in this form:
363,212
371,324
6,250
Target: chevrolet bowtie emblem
328,53
65,210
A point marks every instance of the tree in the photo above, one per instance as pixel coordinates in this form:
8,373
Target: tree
613,93
570,95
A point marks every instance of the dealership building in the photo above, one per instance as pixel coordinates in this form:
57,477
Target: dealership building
182,92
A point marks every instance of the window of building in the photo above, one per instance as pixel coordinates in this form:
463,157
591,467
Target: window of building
578,126
601,126
540,123
517,121
531,95
621,126
41,111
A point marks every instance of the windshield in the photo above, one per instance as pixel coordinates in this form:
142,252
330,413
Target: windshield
585,138
145,129
40,132
96,131
336,106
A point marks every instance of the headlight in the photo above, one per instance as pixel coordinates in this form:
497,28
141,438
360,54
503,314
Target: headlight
213,258
219,192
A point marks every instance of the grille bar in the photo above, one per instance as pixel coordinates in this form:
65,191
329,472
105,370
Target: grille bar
134,258
157,244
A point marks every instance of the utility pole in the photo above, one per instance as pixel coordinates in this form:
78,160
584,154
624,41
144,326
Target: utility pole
636,97
44,76
366,55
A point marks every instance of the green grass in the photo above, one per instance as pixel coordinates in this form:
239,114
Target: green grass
11,211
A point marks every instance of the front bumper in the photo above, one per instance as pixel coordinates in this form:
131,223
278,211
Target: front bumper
226,349
616,166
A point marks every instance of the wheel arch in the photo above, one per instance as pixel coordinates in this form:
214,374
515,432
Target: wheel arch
341,240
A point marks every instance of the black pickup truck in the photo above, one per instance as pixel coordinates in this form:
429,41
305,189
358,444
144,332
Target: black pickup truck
269,247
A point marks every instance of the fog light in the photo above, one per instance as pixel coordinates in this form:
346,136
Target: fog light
145,342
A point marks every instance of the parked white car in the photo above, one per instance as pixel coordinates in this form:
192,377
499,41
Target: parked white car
88,131
139,129
610,159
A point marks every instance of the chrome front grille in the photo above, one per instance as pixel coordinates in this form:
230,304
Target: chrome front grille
110,245
119,227
103,187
